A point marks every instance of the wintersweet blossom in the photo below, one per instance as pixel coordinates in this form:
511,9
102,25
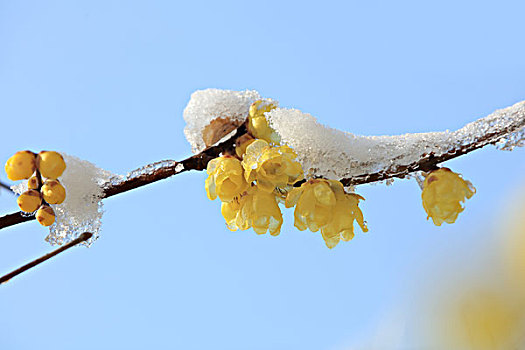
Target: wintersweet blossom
271,166
258,124
255,208
345,212
225,178
314,204
443,192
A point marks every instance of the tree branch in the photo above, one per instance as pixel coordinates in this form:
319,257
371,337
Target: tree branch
82,238
200,161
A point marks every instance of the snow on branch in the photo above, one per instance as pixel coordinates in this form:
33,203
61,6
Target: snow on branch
334,154
323,151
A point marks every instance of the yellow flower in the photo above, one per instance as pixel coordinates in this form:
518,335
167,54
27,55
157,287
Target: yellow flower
258,124
225,178
443,192
255,208
314,204
324,204
241,144
270,166
345,212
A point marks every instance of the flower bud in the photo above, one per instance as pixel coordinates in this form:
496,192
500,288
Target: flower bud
20,166
29,201
32,183
45,215
51,164
53,192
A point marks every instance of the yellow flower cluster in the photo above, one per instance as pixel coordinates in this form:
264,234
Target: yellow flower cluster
324,205
251,183
40,193
249,189
262,174
443,192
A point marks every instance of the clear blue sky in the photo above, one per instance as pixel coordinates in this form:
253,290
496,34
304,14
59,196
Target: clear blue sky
107,81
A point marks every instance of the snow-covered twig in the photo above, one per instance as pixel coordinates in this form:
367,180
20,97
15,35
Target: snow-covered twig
335,154
505,127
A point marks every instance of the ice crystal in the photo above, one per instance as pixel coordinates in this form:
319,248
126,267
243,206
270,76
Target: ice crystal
82,210
20,188
509,142
150,169
207,105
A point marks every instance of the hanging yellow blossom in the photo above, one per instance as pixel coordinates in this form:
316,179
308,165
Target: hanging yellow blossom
258,124
443,192
324,205
270,166
345,212
255,208
225,178
314,204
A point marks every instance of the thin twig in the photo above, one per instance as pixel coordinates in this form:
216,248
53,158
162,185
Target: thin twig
82,238
7,187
